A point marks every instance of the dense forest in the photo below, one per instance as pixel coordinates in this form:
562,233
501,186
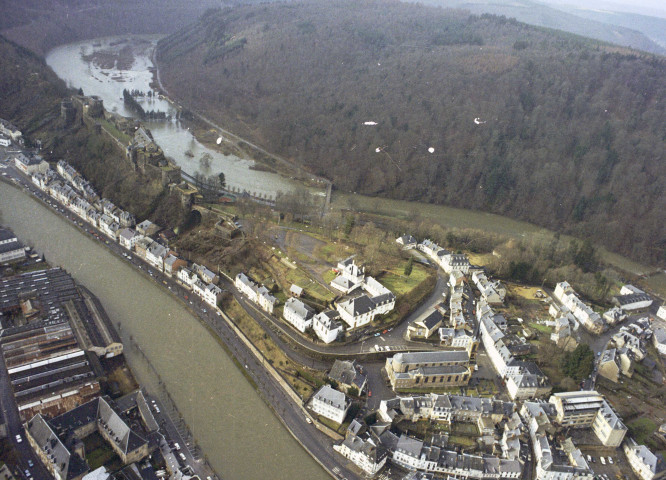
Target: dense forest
415,102
30,93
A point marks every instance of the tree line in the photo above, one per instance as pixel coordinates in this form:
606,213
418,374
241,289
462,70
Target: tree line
471,111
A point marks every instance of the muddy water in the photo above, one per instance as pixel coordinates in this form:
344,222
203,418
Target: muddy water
237,432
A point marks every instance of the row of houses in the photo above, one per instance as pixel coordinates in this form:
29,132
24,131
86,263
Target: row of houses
258,294
492,292
550,463
372,447
587,317
445,408
117,224
78,195
523,379
415,454
450,262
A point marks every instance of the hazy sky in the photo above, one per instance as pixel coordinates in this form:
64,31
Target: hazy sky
645,7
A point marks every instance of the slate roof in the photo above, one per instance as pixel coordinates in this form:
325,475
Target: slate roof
69,465
432,320
432,357
632,298
347,372
359,305
329,395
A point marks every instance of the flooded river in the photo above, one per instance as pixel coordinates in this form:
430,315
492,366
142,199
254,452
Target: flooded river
237,432
105,77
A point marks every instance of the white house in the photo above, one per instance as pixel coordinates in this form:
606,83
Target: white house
614,315
205,274
455,262
326,325
259,295
430,248
29,164
362,310
661,313
210,293
331,404
350,276
128,238
367,454
186,277
109,227
298,314
155,255
407,242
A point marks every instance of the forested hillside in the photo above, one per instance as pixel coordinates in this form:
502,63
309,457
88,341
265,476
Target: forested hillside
477,112
30,93
41,25
632,33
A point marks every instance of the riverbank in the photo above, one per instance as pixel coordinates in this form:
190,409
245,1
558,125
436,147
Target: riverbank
201,129
272,390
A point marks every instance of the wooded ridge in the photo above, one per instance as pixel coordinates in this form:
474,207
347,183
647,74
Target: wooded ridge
421,103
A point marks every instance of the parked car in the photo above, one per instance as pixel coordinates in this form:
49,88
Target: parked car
602,460
610,460
18,439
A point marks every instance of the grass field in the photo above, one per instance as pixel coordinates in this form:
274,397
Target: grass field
399,284
528,293
311,287
541,328
641,429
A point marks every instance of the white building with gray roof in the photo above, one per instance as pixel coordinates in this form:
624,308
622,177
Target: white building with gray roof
258,294
327,325
155,255
298,314
645,464
10,248
366,453
330,403
414,454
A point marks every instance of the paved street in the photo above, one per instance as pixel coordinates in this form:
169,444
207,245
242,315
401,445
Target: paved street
15,427
291,414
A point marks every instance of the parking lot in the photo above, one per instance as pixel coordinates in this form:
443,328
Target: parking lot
617,468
